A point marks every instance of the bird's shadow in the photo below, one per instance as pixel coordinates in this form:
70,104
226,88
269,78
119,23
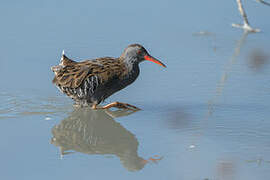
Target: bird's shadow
95,132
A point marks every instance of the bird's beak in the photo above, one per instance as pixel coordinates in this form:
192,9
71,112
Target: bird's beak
150,58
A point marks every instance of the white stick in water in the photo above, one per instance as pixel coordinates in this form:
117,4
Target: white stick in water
246,25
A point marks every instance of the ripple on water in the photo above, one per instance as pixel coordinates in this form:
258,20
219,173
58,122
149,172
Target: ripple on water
16,105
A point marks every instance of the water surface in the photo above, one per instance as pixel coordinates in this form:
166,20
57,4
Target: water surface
206,116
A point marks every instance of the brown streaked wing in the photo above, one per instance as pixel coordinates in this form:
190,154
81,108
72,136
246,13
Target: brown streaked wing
70,76
74,74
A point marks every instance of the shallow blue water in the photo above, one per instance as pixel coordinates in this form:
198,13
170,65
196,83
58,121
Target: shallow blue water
206,116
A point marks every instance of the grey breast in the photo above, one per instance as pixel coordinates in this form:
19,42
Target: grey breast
115,84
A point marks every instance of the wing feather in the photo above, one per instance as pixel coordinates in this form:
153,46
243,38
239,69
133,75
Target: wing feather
73,75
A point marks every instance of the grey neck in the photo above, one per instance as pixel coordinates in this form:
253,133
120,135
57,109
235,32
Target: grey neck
131,63
133,71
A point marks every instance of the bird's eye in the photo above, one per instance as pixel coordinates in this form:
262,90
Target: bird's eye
139,51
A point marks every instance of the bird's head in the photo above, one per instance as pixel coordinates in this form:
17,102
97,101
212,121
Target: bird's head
136,53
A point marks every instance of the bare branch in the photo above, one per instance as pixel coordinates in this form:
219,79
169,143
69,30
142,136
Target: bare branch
246,25
242,11
263,2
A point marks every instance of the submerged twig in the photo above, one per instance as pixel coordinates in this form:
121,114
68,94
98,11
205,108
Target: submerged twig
212,103
228,67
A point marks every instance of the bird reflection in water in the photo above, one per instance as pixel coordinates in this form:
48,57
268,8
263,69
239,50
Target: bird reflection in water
96,132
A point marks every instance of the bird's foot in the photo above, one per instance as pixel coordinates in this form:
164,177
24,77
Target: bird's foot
122,106
119,113
154,159
117,105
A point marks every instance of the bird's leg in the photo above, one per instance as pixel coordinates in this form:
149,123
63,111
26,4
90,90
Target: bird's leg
117,105
94,106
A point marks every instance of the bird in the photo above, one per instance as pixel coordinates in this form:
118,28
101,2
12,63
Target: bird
90,82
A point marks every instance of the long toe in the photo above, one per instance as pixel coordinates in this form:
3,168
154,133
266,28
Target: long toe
133,107
127,106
